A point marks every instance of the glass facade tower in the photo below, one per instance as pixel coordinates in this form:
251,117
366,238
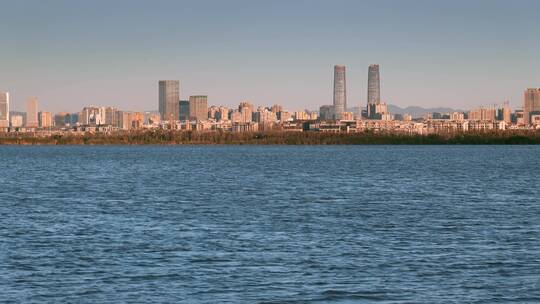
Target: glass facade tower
340,90
4,109
169,97
374,90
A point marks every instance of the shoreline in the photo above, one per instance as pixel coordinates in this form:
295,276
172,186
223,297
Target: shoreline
167,137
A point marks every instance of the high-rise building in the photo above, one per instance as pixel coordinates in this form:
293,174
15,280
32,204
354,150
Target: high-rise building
507,113
4,110
246,110
17,120
110,116
531,104
326,112
340,89
45,119
92,116
276,108
184,109
169,97
32,112
198,107
223,113
61,119
124,120
483,114
504,113
374,90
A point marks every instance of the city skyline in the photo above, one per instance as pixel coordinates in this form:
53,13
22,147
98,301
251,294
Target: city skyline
461,54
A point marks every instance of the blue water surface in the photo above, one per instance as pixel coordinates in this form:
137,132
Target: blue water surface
270,224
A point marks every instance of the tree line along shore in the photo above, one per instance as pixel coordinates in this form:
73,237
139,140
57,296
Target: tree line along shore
168,137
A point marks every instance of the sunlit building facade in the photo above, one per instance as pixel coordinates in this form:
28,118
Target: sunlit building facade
169,97
32,112
4,109
531,104
198,107
340,89
374,90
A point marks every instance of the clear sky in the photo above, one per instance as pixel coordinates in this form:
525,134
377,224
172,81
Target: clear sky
113,52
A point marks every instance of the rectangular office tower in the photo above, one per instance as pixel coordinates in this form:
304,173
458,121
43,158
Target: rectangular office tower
198,107
32,112
374,90
531,104
169,96
340,90
4,110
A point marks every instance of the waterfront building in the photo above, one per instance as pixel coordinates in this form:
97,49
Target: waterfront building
519,117
110,115
212,112
92,116
457,116
246,110
198,107
381,108
483,114
340,89
236,116
276,108
16,120
124,120
387,116
301,115
246,104
245,127
137,120
326,112
222,114
374,90
169,97
184,109
45,119
61,119
74,119
347,116
531,104
152,118
284,116
32,112
265,116
535,120
4,110
504,113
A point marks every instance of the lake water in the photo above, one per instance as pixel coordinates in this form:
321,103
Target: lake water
270,224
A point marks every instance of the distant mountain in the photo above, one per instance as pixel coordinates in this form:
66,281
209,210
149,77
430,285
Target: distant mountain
415,112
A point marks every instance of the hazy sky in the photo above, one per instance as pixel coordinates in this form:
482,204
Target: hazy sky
432,53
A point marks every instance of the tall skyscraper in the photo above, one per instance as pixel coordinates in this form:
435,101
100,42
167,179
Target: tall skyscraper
198,107
169,97
531,104
184,109
32,112
4,109
374,90
340,89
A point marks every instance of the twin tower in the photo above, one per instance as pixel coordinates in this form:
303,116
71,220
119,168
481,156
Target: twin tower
340,90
